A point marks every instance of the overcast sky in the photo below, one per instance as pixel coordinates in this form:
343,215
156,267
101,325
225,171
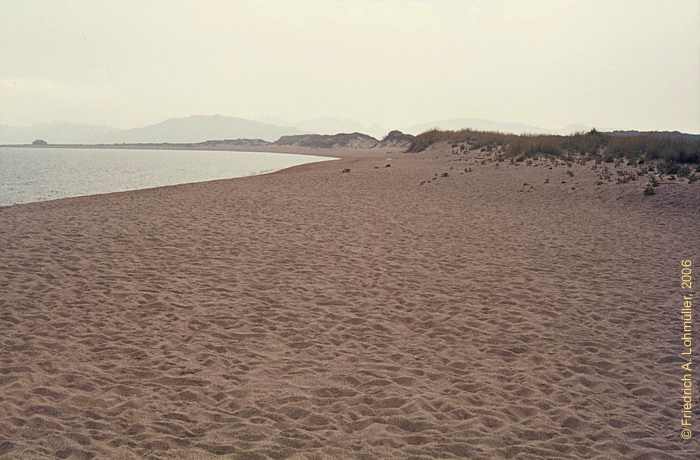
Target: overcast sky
614,64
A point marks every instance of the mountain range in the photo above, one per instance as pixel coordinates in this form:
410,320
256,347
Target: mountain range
199,128
195,128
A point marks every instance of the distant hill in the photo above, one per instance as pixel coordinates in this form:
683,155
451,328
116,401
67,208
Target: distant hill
397,139
352,140
330,125
202,127
477,124
196,128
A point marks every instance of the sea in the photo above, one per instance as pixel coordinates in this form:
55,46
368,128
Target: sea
39,174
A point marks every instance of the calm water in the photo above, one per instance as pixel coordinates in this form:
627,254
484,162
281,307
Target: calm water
38,174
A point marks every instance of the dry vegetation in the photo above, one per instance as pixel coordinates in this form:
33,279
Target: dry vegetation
673,152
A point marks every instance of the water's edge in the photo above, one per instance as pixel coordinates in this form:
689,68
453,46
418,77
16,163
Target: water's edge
313,159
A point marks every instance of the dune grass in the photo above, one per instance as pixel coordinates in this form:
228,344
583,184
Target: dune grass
671,150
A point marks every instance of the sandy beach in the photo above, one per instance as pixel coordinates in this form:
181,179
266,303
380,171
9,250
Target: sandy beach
418,306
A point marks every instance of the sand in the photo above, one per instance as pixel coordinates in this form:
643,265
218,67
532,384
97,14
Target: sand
312,313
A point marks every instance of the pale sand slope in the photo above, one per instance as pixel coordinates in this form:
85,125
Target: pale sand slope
314,313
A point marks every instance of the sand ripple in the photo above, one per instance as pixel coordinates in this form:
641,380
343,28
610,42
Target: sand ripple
359,315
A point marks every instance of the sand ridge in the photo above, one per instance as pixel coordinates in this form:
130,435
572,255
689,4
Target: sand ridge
435,308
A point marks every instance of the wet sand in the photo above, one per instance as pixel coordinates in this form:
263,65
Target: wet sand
385,312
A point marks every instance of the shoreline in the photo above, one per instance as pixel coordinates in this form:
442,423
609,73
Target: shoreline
328,158
271,148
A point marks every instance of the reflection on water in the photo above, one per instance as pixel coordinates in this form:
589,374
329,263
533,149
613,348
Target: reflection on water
38,174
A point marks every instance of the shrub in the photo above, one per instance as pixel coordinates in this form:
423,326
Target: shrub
668,167
670,149
683,171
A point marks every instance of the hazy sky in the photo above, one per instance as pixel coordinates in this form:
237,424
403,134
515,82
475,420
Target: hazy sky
613,64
